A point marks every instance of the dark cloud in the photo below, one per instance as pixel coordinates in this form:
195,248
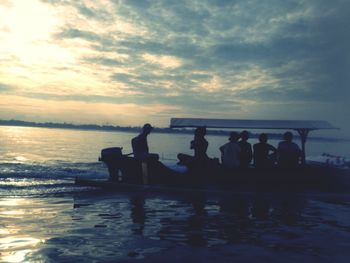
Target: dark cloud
91,13
87,35
6,87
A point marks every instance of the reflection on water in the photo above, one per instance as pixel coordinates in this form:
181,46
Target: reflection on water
97,226
138,214
17,249
229,220
21,223
140,224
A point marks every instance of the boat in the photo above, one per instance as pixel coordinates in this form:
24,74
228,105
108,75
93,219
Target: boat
127,173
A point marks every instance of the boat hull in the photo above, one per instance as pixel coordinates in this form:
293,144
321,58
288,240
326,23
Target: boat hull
308,178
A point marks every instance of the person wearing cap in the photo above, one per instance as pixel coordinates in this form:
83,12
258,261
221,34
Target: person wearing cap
140,146
230,152
288,152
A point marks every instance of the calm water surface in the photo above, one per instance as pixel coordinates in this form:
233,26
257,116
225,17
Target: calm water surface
45,218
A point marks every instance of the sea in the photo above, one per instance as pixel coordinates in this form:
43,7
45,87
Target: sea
44,217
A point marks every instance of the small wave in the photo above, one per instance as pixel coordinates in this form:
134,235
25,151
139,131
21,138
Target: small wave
37,187
53,170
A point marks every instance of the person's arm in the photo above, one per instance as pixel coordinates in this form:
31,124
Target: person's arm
192,145
250,153
222,147
272,149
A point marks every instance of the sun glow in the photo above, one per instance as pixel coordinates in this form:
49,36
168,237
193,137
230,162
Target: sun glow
26,27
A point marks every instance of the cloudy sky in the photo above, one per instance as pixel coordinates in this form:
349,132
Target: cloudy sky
130,61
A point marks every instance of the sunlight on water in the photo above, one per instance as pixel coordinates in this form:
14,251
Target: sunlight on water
17,249
8,208
41,145
28,182
14,245
23,227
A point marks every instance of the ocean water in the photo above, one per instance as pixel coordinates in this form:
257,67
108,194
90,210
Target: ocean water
44,217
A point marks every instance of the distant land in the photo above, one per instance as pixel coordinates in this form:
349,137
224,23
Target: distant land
112,128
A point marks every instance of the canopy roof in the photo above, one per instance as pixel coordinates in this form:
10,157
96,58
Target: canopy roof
250,124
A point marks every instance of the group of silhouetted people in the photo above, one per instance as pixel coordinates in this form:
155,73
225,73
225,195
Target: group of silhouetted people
238,153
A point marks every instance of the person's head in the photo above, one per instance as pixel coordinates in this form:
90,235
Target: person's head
200,132
147,128
263,138
234,136
288,136
244,135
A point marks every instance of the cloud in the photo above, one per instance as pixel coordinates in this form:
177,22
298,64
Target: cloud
199,58
164,61
6,88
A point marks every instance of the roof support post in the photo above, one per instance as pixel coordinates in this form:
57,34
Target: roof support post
303,133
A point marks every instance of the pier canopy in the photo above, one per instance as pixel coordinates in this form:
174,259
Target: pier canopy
303,127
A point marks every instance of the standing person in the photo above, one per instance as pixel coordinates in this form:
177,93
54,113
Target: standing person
200,145
263,153
140,146
230,152
289,152
246,155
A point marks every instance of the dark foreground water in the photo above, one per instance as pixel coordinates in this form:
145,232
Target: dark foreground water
104,227
45,218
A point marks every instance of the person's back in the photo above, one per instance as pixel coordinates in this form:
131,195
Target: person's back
262,152
246,154
230,152
289,152
140,146
200,146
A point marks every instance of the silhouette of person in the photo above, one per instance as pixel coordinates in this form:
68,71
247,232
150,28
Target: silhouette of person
200,145
140,146
263,153
230,152
246,155
289,152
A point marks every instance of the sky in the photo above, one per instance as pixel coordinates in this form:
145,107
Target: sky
127,62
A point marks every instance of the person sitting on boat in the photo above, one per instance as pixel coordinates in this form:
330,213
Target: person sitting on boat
230,152
289,152
200,145
263,153
246,154
140,146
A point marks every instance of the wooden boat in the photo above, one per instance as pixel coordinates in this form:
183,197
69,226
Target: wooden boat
127,173
306,178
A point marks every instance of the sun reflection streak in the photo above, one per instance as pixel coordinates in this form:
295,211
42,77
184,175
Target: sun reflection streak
16,249
16,244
